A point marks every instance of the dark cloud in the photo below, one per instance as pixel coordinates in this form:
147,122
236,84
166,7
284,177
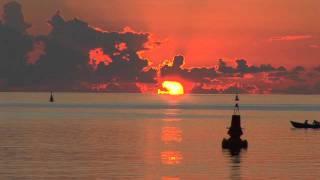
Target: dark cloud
201,89
294,74
295,89
192,74
316,88
242,67
317,68
78,37
131,87
234,89
13,17
298,69
303,87
60,60
261,79
14,45
224,68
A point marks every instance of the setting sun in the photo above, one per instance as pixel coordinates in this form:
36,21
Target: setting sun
171,88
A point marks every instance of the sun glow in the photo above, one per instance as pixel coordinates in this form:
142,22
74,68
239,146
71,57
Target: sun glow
171,88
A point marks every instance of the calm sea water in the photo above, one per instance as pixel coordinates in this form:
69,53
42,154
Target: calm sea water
134,136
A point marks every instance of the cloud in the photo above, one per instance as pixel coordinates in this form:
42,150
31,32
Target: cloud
119,88
295,74
223,78
199,89
299,88
176,68
314,46
242,67
72,53
38,50
75,56
290,38
97,57
14,46
13,17
317,68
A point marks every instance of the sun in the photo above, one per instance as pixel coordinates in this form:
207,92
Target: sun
172,88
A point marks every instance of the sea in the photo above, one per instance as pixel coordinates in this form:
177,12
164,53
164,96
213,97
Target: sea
97,136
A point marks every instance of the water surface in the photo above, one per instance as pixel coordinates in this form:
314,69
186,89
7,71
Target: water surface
135,136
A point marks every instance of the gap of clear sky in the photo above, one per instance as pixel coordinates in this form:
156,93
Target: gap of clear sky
282,32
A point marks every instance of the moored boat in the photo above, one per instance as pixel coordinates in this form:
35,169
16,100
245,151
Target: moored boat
305,125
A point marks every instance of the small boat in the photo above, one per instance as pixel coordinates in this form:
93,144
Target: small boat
305,125
51,97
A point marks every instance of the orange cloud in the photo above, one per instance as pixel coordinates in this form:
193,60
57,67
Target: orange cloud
37,51
121,46
97,56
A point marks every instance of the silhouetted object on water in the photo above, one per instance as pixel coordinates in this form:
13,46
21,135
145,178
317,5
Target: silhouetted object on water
306,125
235,143
316,122
237,98
236,107
51,97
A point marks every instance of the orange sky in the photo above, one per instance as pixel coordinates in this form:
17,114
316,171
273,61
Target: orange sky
282,32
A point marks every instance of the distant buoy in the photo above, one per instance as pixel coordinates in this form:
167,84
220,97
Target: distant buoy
237,98
51,97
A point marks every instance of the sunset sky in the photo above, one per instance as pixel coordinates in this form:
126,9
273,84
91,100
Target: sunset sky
270,46
282,32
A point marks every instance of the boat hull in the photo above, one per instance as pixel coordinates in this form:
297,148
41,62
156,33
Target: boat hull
304,126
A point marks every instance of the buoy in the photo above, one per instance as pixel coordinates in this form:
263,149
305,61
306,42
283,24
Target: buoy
234,142
51,97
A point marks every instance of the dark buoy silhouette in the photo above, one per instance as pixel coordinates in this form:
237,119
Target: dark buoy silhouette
51,97
235,143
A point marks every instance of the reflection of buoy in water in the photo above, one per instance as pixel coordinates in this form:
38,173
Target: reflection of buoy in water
235,143
51,97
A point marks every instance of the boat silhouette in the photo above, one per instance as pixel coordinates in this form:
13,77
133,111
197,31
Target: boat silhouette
305,125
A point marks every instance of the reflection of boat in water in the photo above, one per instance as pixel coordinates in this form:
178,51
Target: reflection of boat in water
305,125
51,97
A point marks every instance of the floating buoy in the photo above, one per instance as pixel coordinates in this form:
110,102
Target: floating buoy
234,142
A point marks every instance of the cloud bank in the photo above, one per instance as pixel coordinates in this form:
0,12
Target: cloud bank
75,56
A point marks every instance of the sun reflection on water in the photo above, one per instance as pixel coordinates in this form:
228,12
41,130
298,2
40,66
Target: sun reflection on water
170,178
171,135
171,157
